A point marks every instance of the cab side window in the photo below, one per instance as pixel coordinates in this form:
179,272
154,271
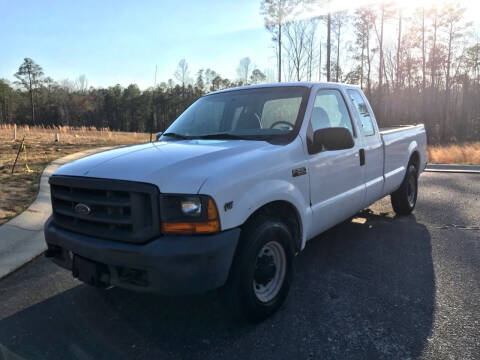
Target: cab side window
330,111
362,112
280,110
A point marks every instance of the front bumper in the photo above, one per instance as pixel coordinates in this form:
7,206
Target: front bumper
169,265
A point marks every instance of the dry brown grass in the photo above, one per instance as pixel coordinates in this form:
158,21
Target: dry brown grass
18,190
464,154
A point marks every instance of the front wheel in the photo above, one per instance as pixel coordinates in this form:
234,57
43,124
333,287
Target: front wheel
405,198
262,269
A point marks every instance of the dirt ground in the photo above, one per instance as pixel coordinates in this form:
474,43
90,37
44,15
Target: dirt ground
18,190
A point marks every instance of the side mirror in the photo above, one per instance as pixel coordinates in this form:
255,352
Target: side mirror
335,138
159,134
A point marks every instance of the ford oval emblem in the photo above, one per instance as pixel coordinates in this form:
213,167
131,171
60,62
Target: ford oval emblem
82,209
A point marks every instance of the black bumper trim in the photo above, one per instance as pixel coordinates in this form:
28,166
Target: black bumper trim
174,264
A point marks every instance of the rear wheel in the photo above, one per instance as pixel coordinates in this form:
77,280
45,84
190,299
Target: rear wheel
405,198
262,269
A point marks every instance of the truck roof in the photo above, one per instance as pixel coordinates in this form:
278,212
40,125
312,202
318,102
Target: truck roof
308,84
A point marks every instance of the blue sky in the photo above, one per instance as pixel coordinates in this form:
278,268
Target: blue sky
121,41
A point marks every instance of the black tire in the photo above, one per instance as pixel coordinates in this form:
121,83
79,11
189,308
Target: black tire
243,301
405,198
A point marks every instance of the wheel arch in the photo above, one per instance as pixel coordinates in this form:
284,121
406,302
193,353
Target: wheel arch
415,159
413,154
286,212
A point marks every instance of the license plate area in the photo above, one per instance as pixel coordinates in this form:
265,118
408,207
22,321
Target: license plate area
90,272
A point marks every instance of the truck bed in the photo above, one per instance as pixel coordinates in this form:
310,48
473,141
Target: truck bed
397,141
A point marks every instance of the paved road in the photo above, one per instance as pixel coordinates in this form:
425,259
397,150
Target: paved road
374,287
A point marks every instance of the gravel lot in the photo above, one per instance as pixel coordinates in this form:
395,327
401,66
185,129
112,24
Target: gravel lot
377,287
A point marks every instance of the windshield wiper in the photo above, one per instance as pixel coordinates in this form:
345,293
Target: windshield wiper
176,136
220,136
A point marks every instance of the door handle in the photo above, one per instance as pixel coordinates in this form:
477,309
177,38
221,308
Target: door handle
361,152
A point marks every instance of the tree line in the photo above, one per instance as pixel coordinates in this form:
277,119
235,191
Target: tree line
36,99
415,65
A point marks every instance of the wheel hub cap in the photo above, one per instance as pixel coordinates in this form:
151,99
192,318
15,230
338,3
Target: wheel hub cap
265,269
270,269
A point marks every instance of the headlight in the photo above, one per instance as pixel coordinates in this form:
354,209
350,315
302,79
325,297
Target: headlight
192,207
188,214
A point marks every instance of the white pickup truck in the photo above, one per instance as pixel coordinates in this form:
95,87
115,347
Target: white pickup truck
230,192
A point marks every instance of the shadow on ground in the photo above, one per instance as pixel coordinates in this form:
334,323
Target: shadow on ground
364,289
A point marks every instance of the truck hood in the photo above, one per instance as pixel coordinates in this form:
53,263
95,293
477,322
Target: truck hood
174,166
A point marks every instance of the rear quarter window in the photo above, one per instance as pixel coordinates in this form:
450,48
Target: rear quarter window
362,111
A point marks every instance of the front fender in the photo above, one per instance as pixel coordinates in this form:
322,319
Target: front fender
248,198
275,190
243,186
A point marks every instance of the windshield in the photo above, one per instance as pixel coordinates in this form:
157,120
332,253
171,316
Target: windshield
256,114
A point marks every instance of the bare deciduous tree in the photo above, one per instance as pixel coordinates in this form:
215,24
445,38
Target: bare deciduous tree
363,23
181,74
455,28
82,83
296,35
340,19
274,13
243,69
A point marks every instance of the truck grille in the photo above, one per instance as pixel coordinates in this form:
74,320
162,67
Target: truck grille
112,209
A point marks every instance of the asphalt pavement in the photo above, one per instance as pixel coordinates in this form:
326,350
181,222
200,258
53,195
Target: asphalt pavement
375,287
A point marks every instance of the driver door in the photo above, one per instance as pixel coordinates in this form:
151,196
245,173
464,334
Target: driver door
337,188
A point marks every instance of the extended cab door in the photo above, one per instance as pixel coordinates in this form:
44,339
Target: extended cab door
372,146
337,188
